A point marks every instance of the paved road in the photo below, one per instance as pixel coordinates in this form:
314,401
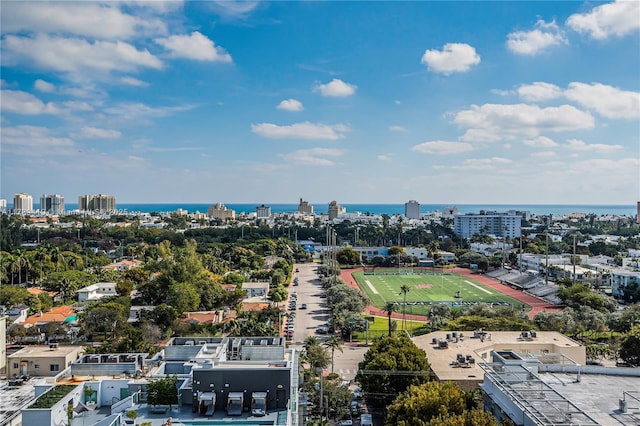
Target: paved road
309,291
316,314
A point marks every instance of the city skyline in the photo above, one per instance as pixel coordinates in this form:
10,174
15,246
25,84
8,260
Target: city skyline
442,102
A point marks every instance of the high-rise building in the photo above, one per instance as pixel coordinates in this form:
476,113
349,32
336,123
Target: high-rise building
22,203
334,210
638,213
304,207
3,205
97,202
263,211
490,223
219,211
52,203
412,209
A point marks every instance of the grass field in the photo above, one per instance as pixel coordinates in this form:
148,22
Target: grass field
427,289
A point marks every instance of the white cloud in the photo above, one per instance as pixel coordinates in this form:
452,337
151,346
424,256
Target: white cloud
533,42
89,132
541,142
233,9
578,145
314,156
77,56
78,106
607,101
539,91
291,105
304,130
483,163
384,157
399,129
33,141
103,21
442,147
336,88
18,102
454,57
612,19
130,81
196,46
44,86
500,92
495,122
543,154
131,111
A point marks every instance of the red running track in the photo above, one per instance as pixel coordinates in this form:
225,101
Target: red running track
537,304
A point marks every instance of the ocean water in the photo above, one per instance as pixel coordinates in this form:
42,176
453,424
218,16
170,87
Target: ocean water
390,209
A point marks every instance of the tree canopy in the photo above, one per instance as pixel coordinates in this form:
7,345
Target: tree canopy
379,369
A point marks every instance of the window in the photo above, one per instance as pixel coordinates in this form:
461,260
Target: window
54,367
15,365
36,366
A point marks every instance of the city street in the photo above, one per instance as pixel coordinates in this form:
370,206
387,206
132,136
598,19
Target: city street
317,313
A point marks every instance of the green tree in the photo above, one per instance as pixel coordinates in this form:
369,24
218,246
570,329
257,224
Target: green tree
468,418
279,294
421,403
348,256
630,349
389,367
404,289
163,391
389,309
333,343
316,355
183,297
103,318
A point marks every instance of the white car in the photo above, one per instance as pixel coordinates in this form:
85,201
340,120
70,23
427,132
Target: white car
346,423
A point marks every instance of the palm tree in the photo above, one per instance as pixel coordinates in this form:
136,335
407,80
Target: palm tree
389,308
333,343
404,289
310,341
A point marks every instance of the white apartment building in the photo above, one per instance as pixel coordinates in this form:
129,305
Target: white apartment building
263,212
52,203
412,209
96,292
22,203
490,223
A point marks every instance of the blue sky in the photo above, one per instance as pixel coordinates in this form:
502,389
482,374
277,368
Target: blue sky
442,102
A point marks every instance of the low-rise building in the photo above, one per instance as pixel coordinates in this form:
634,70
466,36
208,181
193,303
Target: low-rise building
42,360
445,348
96,291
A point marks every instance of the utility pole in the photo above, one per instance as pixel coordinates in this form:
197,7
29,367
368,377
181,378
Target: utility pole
546,272
574,259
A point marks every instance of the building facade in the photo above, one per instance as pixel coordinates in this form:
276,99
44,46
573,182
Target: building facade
489,223
219,211
334,210
304,207
22,203
52,203
97,202
42,361
263,212
412,209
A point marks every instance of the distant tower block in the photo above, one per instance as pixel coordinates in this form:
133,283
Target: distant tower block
638,213
412,209
304,207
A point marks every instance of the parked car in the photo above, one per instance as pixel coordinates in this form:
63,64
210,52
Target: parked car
322,330
297,270
303,306
354,408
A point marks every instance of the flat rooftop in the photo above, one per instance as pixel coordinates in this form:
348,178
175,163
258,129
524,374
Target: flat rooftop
43,351
480,349
598,395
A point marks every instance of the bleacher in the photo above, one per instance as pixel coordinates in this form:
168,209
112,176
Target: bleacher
497,273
